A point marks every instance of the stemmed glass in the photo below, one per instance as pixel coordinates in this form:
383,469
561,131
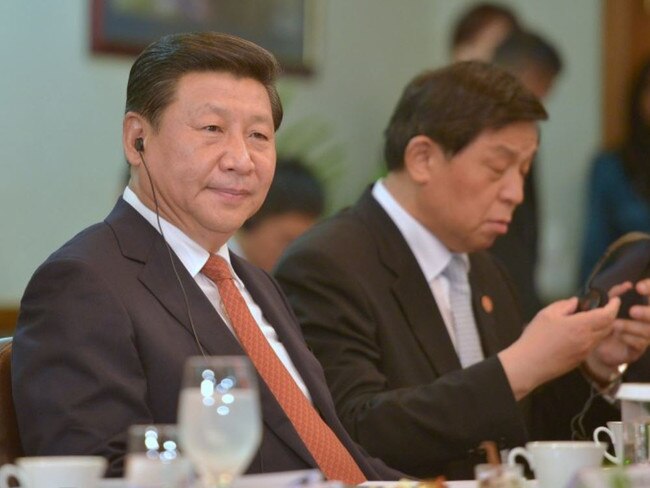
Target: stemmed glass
219,417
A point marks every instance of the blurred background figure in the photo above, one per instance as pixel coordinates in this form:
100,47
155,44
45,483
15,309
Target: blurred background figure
532,58
480,30
618,195
537,64
294,203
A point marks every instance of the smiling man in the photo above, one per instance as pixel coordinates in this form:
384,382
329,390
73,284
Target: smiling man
107,322
417,327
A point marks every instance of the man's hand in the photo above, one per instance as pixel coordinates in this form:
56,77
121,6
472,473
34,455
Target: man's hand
628,339
556,341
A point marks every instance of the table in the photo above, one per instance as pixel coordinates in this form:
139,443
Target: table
450,484
121,483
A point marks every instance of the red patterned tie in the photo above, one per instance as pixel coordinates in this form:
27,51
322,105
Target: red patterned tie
332,457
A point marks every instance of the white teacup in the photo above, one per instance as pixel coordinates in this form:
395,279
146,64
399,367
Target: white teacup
614,430
54,472
555,463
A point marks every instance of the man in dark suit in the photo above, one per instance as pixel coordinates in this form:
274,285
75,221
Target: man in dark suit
107,322
423,365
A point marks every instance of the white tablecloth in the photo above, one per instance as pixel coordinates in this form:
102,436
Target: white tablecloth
278,481
450,484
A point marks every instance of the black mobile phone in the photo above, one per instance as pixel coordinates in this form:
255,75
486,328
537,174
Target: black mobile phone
593,298
627,259
596,297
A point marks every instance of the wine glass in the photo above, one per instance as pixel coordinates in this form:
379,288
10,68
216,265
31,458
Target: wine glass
219,417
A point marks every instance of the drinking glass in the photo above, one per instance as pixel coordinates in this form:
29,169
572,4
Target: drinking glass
499,476
219,417
154,459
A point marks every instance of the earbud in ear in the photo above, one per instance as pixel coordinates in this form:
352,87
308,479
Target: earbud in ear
139,144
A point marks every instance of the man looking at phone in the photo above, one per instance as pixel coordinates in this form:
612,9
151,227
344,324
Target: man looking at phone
417,327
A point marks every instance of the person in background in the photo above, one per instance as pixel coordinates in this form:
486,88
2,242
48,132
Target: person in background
108,320
537,64
417,327
479,31
294,203
618,192
532,59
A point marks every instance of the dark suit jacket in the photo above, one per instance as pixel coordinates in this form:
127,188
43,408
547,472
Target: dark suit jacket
370,317
103,335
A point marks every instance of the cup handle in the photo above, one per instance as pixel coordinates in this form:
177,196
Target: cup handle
11,470
597,440
520,451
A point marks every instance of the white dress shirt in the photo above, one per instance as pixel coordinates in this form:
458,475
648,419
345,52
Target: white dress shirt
431,254
194,257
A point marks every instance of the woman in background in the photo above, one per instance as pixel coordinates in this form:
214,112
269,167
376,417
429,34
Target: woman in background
619,185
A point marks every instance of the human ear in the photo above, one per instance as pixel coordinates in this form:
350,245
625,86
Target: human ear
421,156
134,130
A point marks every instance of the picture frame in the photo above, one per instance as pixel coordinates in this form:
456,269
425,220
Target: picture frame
288,28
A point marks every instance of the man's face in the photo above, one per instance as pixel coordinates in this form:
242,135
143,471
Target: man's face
468,199
213,156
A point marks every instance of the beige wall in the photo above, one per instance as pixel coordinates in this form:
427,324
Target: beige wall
61,109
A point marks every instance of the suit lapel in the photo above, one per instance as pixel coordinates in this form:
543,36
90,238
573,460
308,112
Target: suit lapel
139,241
483,306
159,277
217,339
410,288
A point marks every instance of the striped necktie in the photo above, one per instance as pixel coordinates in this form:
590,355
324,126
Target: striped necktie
468,343
330,454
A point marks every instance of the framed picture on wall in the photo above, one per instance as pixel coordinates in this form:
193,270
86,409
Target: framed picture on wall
287,28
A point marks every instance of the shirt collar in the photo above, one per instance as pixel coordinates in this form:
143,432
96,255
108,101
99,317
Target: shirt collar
191,254
431,254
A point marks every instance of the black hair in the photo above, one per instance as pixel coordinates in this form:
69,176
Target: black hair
157,70
453,105
522,48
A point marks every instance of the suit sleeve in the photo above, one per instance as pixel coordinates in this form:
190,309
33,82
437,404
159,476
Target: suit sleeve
77,380
419,428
